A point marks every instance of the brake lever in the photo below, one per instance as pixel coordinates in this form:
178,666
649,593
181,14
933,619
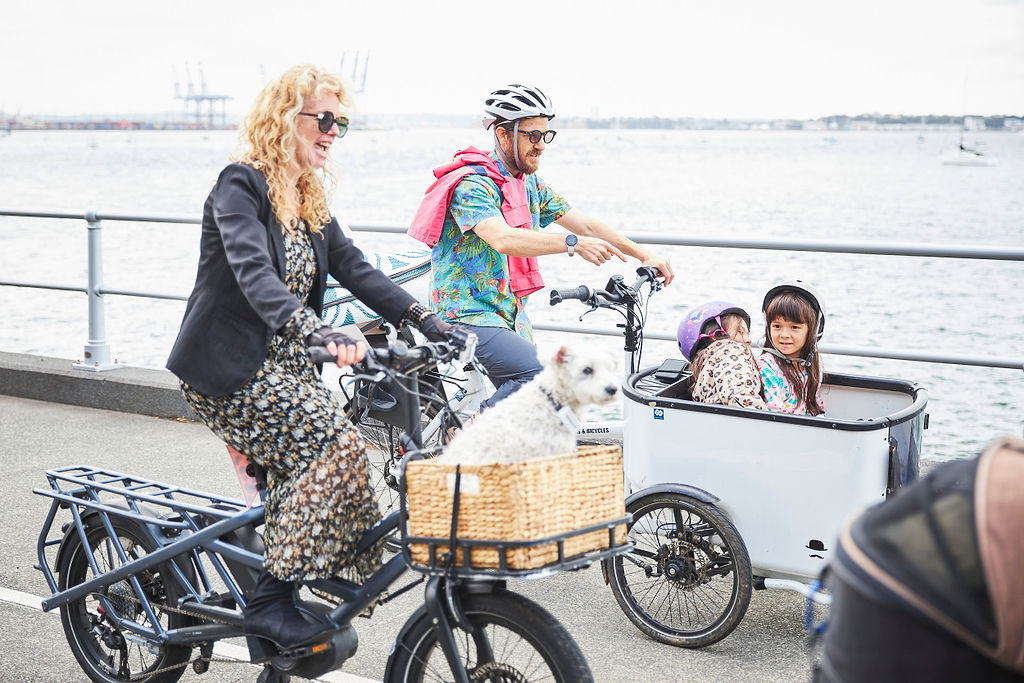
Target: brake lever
593,307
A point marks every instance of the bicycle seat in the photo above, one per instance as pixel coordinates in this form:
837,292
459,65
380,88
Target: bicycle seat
251,477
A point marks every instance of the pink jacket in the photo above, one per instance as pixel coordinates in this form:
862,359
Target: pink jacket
426,226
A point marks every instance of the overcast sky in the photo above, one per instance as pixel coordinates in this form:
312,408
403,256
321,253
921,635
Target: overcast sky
716,58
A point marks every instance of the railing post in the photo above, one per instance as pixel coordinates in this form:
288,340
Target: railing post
97,350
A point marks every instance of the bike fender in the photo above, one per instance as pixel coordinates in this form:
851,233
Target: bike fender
420,613
684,489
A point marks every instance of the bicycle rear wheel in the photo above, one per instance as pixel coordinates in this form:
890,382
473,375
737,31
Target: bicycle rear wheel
513,640
106,653
687,581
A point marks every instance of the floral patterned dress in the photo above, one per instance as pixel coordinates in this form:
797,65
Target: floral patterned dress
319,500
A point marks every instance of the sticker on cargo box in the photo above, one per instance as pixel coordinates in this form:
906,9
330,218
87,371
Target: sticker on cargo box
470,483
659,413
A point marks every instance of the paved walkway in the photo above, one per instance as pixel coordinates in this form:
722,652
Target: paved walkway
769,645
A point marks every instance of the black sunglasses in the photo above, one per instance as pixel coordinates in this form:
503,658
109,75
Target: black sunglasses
326,119
538,135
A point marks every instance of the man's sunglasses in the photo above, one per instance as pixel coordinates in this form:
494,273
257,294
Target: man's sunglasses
538,135
326,119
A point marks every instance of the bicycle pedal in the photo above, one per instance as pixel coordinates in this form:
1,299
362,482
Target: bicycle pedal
305,650
224,600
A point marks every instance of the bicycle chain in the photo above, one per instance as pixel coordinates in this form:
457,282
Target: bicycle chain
179,610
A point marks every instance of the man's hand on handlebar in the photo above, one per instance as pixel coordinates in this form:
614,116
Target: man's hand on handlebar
340,347
662,265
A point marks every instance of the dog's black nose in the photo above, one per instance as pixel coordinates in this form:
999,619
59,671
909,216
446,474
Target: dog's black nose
611,389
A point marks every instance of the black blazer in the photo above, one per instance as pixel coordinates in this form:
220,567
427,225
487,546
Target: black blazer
240,300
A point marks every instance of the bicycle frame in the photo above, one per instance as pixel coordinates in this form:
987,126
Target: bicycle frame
183,531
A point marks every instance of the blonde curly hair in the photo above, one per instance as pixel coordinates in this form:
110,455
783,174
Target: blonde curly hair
268,137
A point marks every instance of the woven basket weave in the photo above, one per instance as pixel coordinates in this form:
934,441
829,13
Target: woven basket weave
521,501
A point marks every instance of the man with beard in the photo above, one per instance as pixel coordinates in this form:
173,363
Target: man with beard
483,218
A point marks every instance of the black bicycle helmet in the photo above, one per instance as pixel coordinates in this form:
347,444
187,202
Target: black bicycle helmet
804,290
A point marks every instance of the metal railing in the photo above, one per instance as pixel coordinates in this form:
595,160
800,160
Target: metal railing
97,349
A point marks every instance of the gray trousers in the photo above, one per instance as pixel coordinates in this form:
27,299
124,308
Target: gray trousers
509,360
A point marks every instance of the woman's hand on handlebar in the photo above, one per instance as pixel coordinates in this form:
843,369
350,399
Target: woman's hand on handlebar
340,347
597,251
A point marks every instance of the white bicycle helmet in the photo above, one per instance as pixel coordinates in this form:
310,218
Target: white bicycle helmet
514,102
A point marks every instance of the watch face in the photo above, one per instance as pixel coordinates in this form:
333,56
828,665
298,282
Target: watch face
571,240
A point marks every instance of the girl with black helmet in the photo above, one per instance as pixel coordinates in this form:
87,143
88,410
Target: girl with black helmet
790,364
715,337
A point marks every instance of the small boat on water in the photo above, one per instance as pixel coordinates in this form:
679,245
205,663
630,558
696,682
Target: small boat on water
965,156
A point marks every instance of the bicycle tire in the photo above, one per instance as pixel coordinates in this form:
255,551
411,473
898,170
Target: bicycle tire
524,642
687,582
92,637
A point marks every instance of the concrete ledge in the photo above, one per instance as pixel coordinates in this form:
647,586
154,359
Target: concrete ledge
125,389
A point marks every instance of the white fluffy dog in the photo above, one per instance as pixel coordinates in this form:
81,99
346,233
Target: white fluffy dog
533,422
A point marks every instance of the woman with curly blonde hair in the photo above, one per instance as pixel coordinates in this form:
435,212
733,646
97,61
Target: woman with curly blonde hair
268,243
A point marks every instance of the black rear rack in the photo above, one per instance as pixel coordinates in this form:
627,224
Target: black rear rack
170,513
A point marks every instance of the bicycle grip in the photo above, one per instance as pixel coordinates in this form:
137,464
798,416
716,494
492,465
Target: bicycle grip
320,354
583,293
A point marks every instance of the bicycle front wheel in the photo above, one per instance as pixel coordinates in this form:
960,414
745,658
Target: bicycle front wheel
513,639
687,581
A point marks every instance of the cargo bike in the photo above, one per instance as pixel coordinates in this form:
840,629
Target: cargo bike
145,573
726,499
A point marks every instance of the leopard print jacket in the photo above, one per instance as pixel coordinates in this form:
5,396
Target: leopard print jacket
728,375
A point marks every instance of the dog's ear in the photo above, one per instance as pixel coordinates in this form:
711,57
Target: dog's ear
561,355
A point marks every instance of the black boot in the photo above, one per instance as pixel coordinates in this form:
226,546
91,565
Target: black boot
270,613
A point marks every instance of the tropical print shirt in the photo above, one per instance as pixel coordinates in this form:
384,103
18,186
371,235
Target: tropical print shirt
469,279
779,395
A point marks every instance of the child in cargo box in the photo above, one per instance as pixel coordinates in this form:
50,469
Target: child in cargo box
715,337
790,364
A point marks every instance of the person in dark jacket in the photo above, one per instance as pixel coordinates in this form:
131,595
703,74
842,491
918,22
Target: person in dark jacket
268,243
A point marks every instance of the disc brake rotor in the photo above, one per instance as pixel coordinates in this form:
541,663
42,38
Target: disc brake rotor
496,672
679,564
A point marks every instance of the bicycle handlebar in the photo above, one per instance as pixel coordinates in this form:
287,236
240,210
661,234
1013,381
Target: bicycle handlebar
401,357
616,291
583,293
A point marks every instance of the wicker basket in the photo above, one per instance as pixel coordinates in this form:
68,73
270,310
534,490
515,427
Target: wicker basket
528,500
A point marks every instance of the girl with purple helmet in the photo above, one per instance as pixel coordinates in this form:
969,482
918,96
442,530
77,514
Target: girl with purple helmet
715,337
790,364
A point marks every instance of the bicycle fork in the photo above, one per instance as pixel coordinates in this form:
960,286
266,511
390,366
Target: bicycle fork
444,606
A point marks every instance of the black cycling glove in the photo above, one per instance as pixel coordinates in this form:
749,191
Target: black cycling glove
326,335
432,327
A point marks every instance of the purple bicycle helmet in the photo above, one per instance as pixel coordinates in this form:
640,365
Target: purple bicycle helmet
688,335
